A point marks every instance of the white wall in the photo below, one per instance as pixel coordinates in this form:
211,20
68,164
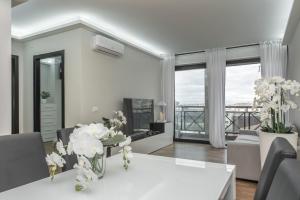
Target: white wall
5,67
294,70
91,78
70,42
108,79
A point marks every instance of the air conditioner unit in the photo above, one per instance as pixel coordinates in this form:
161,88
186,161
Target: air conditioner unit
106,45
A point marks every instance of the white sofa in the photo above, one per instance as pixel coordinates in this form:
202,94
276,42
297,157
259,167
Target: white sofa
244,153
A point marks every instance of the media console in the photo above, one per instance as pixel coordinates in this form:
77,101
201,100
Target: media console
150,143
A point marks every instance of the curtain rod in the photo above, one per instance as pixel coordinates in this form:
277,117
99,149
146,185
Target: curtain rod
201,51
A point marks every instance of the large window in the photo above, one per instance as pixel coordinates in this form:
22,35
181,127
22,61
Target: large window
239,95
190,103
191,112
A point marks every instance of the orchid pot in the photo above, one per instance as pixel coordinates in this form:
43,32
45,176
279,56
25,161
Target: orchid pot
266,140
273,97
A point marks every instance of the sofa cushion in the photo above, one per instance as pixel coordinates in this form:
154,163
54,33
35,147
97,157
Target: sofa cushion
247,139
248,132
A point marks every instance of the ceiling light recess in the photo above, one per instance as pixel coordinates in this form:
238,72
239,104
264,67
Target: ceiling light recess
21,33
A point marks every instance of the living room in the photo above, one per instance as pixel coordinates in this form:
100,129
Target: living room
202,95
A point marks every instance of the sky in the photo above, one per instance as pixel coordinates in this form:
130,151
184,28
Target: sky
239,87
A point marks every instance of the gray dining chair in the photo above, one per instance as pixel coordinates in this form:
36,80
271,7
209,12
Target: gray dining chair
286,183
64,136
22,160
280,149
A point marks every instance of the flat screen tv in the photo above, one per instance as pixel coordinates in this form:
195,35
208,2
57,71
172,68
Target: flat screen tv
139,114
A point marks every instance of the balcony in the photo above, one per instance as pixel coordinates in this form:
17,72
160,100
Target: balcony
191,121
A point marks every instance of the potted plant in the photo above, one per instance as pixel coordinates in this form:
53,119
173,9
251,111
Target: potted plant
89,144
45,95
272,95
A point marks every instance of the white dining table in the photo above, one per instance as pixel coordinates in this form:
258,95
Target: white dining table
147,178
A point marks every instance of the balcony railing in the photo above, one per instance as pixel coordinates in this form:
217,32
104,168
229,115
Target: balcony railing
191,119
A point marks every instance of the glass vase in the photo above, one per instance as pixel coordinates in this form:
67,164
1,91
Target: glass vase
99,163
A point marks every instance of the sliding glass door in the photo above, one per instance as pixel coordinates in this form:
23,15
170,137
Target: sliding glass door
239,95
190,103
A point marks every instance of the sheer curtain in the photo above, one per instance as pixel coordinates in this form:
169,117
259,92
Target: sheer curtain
274,62
216,64
168,85
273,59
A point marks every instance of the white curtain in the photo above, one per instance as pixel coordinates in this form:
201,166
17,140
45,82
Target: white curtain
168,85
273,59
216,64
274,62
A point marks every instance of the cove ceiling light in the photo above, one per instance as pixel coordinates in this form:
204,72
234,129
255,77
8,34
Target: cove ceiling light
60,22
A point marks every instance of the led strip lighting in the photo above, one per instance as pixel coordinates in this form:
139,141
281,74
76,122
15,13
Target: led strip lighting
61,22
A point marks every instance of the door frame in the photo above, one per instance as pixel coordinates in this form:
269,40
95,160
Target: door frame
185,68
15,118
37,86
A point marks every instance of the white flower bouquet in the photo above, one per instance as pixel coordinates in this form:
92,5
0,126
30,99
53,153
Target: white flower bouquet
87,142
272,95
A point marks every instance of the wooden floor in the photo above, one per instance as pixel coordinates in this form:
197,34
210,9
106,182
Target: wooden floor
245,189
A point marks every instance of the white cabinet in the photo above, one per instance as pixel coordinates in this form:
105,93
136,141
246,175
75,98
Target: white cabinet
48,121
153,143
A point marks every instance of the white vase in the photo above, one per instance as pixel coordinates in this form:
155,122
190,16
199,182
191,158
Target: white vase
266,139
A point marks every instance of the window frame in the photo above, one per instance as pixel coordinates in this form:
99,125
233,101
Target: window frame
187,68
238,62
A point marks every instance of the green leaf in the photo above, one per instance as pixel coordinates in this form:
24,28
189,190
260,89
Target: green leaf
78,188
278,128
113,141
106,122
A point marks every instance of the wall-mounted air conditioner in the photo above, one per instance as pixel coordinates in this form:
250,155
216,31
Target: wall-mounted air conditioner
106,45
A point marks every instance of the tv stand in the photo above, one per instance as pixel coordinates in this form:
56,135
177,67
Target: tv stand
152,141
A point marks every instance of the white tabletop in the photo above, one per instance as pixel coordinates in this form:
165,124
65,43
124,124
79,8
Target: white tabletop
147,178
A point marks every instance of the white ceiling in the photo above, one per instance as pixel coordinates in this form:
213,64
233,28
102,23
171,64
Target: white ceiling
163,26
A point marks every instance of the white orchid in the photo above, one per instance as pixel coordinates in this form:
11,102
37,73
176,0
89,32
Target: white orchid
118,120
55,159
85,144
60,148
119,114
292,104
285,107
70,149
113,132
85,174
83,162
272,94
276,79
127,154
97,130
126,142
295,88
84,178
126,151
